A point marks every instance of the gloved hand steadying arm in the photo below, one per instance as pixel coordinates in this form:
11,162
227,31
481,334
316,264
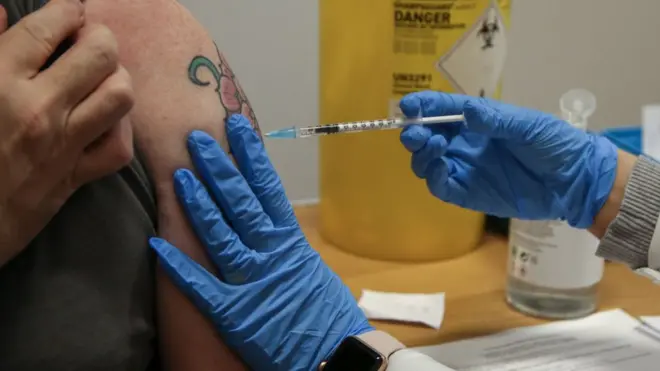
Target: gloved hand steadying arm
277,303
509,161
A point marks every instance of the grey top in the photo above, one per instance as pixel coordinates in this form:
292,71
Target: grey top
81,296
628,237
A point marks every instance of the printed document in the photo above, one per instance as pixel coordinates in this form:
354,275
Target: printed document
606,341
652,321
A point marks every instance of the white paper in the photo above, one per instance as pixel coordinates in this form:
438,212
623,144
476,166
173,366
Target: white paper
427,309
606,341
652,322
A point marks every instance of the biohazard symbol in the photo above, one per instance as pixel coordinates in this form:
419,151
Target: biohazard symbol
487,33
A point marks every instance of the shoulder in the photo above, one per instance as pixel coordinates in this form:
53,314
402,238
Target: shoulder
151,30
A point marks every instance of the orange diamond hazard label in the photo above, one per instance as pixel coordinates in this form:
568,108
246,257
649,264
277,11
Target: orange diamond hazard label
474,64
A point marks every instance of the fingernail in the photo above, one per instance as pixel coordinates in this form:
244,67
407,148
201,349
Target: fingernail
235,118
163,249
183,179
410,101
157,244
181,176
236,121
200,139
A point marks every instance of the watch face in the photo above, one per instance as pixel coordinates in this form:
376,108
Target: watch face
353,355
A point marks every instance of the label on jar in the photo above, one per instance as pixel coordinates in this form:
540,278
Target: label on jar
449,45
552,254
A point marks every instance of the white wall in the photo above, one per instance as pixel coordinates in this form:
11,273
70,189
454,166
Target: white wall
272,46
605,46
610,47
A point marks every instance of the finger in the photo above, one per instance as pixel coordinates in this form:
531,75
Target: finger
35,38
433,103
3,19
442,183
206,291
484,119
411,105
448,130
103,109
229,189
258,171
226,250
434,149
109,154
414,137
93,58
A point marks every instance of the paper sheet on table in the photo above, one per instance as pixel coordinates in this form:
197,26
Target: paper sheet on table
652,321
606,341
427,309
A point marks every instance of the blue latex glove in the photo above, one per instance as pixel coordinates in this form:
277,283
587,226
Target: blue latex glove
277,303
509,161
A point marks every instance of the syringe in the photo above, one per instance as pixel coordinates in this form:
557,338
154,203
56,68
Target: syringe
359,126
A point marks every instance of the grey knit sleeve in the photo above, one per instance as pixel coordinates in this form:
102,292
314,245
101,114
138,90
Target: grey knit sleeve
628,237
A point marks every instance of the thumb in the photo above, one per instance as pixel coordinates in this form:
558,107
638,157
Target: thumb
482,118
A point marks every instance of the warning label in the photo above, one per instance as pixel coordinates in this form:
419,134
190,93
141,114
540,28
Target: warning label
424,15
410,82
450,45
553,254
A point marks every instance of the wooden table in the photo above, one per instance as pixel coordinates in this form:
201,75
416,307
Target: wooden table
473,285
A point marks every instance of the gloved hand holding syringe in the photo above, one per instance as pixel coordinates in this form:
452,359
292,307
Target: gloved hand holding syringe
503,159
360,126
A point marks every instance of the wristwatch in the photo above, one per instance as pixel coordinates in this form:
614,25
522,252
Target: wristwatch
367,352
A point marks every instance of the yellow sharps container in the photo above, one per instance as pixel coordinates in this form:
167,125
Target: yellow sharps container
373,52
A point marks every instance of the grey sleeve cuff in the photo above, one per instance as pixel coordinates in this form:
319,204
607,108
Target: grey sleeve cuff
628,237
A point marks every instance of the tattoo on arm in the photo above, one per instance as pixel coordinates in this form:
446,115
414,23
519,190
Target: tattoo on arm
229,91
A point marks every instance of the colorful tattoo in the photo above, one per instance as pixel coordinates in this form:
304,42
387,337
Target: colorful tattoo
229,91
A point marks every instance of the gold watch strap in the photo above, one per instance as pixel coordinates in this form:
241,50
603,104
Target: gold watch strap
382,342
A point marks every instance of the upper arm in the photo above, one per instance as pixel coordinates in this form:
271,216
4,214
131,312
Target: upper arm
181,83
181,80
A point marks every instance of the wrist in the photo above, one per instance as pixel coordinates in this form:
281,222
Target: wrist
370,350
606,214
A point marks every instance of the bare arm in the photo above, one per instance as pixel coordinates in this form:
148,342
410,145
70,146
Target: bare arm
181,84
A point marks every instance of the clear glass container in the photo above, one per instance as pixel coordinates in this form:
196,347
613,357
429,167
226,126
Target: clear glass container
546,302
553,271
